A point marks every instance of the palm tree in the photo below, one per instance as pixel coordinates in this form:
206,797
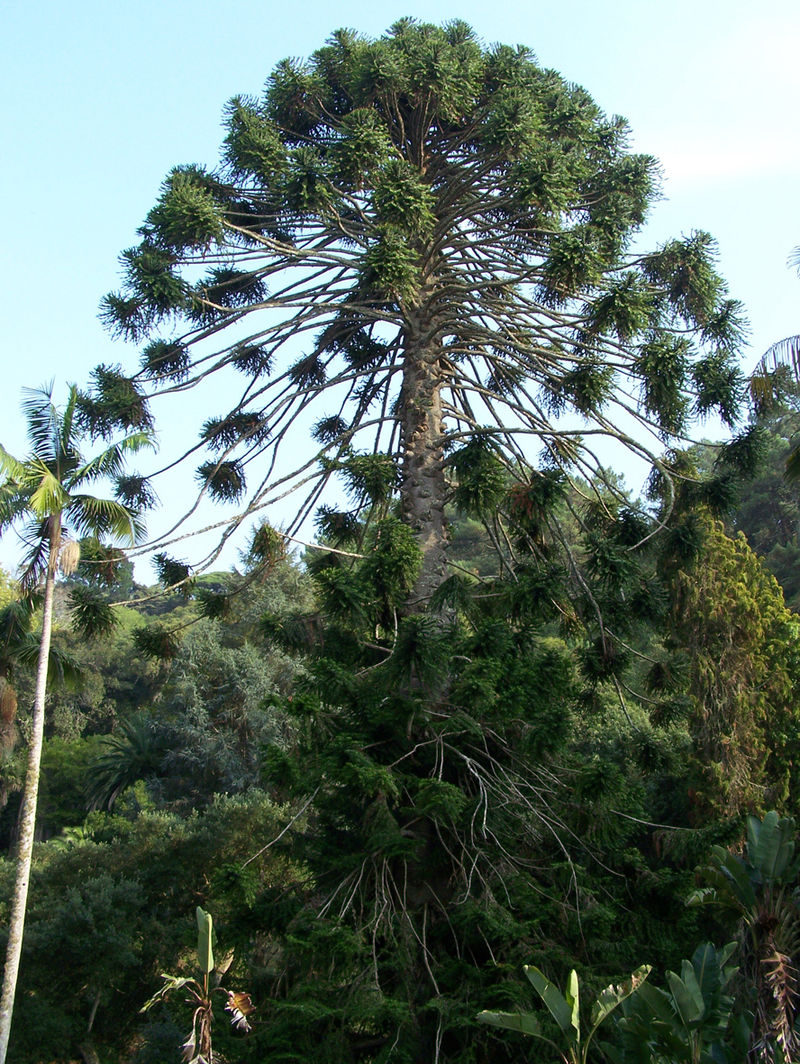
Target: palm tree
45,490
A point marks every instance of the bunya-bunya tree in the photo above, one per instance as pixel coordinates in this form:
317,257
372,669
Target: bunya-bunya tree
430,243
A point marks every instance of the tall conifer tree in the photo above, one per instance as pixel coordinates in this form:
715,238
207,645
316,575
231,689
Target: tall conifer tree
431,242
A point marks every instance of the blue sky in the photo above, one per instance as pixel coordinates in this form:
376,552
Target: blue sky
102,98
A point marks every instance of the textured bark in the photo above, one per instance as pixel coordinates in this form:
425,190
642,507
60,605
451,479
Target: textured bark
8,730
28,813
423,486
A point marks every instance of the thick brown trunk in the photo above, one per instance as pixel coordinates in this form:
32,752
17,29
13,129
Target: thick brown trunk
423,485
30,795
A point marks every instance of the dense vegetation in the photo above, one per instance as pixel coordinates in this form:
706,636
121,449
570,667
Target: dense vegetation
503,713
551,810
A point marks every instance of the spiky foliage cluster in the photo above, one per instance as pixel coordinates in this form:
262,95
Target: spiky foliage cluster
414,229
172,573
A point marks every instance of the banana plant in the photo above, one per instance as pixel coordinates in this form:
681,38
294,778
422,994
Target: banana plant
691,1021
759,888
566,1011
197,1047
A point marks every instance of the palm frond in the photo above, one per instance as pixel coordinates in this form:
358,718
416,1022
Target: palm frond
36,538
784,353
91,615
49,496
62,667
111,462
66,439
43,421
89,515
133,753
13,503
765,380
15,626
10,466
107,464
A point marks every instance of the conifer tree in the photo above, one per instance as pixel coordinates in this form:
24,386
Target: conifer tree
430,242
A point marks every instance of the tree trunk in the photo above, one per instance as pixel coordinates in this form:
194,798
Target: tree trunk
423,486
29,799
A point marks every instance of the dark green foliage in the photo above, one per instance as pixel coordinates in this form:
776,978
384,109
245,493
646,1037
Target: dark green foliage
480,477
266,548
104,566
682,268
222,433
132,753
392,560
692,1020
110,903
251,359
115,402
370,478
224,480
455,792
337,527
662,365
155,641
213,605
755,886
720,387
172,573
462,804
766,508
92,615
164,359
135,492
186,215
149,273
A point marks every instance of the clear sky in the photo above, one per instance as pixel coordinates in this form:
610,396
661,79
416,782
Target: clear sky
103,98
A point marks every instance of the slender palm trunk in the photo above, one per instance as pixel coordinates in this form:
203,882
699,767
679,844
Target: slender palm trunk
28,818
423,486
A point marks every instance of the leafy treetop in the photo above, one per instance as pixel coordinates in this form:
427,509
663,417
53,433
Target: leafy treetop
435,238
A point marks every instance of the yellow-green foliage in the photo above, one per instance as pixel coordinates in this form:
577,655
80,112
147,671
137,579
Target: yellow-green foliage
744,647
8,588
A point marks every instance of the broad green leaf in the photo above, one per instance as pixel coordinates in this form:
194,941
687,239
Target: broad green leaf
205,953
49,497
770,845
553,999
739,881
608,999
574,1002
523,1022
687,997
10,466
725,954
703,896
705,963
659,1003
